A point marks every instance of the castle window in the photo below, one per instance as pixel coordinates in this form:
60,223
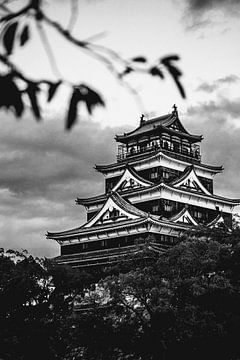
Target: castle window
154,175
168,205
113,214
197,214
155,208
84,246
165,174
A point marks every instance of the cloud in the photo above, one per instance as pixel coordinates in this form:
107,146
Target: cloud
199,14
201,6
217,120
215,85
221,110
42,171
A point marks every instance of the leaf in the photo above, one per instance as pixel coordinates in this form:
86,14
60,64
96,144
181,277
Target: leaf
32,91
82,94
52,90
11,96
24,37
174,72
140,59
91,98
9,36
155,71
170,58
128,70
72,111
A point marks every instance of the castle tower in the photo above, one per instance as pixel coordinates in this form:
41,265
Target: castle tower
157,189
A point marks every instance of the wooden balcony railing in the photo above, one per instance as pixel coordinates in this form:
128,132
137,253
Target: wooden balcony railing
181,153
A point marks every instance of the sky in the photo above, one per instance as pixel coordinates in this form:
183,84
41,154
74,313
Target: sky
43,168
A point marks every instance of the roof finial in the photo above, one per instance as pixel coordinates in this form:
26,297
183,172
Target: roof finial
174,112
142,119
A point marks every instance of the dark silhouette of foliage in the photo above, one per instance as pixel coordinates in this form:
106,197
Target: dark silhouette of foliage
24,37
180,304
32,91
155,71
52,90
17,32
11,97
9,37
174,71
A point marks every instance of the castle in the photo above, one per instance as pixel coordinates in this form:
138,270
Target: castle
157,189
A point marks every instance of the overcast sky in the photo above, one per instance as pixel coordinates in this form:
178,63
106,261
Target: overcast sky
43,169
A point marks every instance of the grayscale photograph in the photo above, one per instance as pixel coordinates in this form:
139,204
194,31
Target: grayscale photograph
119,179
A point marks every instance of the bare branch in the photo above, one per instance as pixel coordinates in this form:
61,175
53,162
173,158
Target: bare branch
66,33
16,14
74,15
48,50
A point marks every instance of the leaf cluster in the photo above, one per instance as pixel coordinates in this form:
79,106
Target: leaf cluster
17,32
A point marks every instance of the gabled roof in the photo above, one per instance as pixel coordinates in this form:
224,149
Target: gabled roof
147,157
131,174
172,188
218,220
132,217
190,180
164,122
162,185
128,174
94,229
184,216
115,201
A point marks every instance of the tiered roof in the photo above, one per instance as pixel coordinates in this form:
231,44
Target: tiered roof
163,123
158,156
132,217
116,213
187,186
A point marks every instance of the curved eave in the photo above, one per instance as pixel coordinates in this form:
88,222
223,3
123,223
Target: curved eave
215,221
232,202
97,228
90,200
178,215
118,166
146,123
189,192
184,211
114,199
68,235
191,137
137,176
183,176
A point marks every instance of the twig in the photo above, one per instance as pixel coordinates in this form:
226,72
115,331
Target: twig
48,50
74,15
14,15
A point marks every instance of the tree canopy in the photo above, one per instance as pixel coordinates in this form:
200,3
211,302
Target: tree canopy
183,303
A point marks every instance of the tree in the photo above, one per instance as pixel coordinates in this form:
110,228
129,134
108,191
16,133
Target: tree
183,303
36,299
16,86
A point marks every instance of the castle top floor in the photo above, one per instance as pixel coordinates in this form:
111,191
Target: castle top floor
166,133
